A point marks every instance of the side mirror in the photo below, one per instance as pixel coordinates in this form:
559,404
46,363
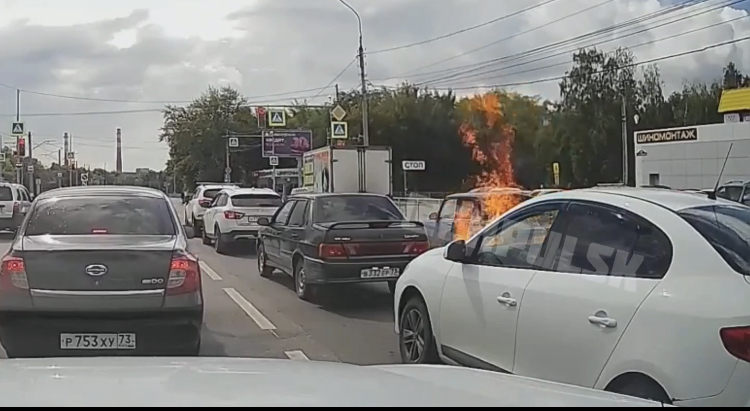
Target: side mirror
455,251
433,216
189,232
264,221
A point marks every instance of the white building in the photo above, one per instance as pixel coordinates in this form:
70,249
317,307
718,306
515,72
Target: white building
692,157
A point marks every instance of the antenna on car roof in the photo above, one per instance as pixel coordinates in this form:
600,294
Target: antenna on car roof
712,194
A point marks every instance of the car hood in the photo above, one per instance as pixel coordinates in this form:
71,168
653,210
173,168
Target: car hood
207,382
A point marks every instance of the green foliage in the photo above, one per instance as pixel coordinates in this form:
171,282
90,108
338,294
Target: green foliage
581,131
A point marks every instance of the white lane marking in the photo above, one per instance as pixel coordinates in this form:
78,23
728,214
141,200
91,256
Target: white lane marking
209,271
296,355
249,309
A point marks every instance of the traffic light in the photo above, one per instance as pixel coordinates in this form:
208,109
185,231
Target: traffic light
21,147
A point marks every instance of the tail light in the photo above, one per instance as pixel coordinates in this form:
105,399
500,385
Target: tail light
737,342
233,215
16,207
416,248
331,251
184,274
205,203
13,274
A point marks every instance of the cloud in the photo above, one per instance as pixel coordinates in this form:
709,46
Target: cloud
171,51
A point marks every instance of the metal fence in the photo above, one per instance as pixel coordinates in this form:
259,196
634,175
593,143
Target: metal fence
418,208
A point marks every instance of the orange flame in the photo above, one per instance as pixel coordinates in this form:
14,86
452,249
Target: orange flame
491,148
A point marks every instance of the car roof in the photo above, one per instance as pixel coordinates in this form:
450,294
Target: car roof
324,195
250,190
217,186
671,199
102,191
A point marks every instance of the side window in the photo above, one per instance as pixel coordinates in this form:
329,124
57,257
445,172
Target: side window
448,211
26,195
517,241
223,200
608,241
282,215
196,193
297,218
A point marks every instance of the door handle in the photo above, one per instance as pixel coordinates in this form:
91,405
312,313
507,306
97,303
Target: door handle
603,321
505,299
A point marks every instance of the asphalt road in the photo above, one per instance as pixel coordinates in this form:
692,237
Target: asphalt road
249,316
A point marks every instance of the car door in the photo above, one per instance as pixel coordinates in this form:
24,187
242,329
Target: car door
482,298
575,312
443,230
190,207
209,217
272,235
294,232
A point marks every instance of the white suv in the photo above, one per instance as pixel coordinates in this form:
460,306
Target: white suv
14,202
234,214
202,198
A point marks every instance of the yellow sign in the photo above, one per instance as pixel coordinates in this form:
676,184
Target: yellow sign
556,173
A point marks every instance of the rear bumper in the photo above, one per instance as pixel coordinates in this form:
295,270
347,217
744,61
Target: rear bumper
240,234
11,223
323,272
38,335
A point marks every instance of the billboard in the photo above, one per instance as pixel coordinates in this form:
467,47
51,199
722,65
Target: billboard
286,143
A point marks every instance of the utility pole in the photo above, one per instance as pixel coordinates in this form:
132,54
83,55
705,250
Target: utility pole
59,163
365,109
32,181
19,171
624,141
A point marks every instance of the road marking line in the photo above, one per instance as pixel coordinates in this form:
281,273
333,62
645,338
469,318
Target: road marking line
210,271
250,310
296,355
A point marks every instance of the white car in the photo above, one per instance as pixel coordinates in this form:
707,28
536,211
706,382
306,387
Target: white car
201,199
14,203
643,292
247,382
233,215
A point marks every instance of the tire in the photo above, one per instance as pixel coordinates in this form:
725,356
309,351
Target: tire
416,344
221,246
205,239
304,290
197,227
641,387
263,268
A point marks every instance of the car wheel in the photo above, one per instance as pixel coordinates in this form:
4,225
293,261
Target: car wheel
265,270
197,227
416,341
304,290
220,244
641,387
204,238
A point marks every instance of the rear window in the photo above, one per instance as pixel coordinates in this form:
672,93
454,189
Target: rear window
101,215
256,200
211,193
727,229
730,193
355,208
6,194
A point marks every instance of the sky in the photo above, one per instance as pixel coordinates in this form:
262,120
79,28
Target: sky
88,67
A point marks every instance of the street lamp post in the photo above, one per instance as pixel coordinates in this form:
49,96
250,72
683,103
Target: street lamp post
361,55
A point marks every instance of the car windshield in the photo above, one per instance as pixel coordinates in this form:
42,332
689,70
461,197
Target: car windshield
727,229
101,215
211,192
355,208
256,200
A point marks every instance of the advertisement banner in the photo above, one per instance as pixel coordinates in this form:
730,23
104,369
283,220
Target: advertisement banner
286,143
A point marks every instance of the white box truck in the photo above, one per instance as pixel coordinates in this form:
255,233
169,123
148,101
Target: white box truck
336,170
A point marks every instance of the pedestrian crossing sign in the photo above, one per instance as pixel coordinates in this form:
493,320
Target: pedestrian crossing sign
17,128
339,130
276,118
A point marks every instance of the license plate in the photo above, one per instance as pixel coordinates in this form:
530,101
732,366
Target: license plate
252,219
119,341
380,272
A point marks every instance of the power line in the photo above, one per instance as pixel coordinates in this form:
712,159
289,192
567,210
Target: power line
461,31
337,77
507,38
572,40
558,78
467,74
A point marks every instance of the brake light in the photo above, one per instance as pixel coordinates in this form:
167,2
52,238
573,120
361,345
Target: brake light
184,274
16,207
331,251
13,274
233,215
205,203
416,248
737,342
